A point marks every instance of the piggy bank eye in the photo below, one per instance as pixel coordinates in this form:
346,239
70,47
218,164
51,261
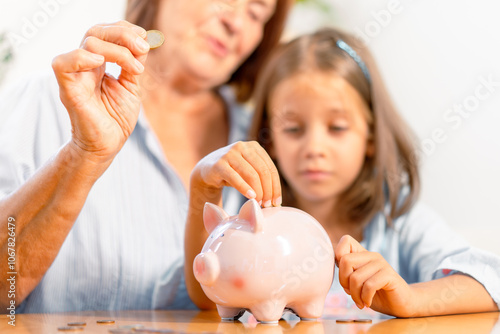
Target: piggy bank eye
222,235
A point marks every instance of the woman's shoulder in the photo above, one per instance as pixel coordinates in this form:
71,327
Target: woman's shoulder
239,114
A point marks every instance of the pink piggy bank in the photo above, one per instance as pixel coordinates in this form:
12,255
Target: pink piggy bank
265,261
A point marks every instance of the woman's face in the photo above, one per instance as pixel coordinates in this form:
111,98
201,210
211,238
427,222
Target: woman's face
319,132
209,39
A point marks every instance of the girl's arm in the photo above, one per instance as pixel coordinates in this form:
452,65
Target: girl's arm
373,283
244,166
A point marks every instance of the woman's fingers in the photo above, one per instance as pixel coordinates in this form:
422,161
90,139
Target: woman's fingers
121,33
76,61
114,53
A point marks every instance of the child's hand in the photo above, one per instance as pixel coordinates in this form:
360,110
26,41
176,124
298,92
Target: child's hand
245,166
370,280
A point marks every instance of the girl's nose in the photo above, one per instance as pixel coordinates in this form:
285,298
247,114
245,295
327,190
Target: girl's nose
314,143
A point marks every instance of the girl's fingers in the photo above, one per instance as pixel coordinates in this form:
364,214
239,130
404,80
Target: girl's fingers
76,61
375,283
347,245
247,173
122,33
275,177
350,263
250,152
360,279
114,53
234,179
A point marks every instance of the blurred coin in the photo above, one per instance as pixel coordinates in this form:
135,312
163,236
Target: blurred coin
155,38
367,321
77,324
70,329
136,326
120,331
345,321
105,322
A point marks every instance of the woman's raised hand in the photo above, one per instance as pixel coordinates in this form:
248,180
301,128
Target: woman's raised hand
245,166
103,110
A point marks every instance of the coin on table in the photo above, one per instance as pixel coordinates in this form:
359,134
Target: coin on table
105,322
154,38
77,323
345,321
366,321
136,326
120,331
70,329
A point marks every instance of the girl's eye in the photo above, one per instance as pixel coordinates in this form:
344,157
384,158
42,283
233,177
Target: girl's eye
291,129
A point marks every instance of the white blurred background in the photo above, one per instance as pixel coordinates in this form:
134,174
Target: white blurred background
437,58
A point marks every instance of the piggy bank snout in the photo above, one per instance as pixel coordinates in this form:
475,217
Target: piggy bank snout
206,268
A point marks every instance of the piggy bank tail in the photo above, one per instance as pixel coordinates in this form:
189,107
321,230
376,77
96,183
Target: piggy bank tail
206,268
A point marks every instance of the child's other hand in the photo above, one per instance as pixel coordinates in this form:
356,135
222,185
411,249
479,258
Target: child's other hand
245,166
370,280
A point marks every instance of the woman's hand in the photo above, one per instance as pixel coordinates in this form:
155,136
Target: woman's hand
245,166
371,281
103,110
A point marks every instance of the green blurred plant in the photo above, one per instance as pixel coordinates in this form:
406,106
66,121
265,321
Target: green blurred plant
6,54
320,4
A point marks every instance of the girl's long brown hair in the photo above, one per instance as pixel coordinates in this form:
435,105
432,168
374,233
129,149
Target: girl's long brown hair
144,13
393,168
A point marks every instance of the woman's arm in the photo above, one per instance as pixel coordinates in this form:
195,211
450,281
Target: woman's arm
44,210
103,113
244,166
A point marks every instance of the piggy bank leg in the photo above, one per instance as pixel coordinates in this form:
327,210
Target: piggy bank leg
268,312
309,310
230,313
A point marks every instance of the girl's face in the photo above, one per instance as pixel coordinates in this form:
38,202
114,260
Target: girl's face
209,39
319,133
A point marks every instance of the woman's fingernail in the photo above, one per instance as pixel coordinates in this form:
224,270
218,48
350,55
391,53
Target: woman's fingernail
142,44
139,30
139,66
278,201
251,194
267,204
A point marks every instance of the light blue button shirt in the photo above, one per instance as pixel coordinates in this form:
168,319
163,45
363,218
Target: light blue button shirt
125,250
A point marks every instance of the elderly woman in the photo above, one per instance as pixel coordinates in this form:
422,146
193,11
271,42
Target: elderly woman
99,199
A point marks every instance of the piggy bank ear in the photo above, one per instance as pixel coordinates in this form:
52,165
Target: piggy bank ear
251,212
212,216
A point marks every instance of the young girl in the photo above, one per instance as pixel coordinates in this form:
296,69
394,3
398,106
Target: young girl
346,157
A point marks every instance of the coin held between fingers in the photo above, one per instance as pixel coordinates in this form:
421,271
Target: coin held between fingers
154,38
